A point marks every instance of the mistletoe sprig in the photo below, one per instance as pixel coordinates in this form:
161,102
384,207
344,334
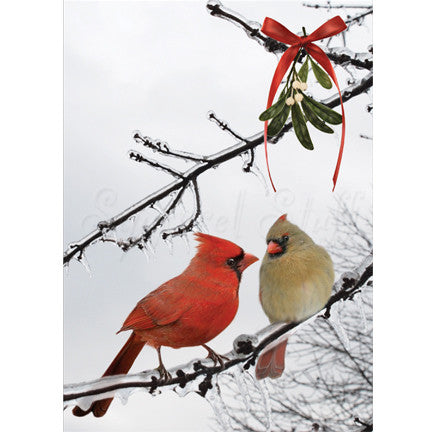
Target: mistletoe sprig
303,109
293,95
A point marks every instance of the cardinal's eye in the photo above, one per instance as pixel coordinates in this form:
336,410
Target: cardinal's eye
231,262
285,238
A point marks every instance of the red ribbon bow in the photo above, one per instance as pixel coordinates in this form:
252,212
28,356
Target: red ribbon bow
277,31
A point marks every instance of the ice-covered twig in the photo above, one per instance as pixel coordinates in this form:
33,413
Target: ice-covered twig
359,17
224,125
343,56
348,285
360,60
368,427
143,238
188,225
324,382
179,185
138,157
164,149
249,157
246,350
188,178
328,5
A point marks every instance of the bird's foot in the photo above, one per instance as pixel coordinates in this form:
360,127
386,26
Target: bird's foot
164,374
217,358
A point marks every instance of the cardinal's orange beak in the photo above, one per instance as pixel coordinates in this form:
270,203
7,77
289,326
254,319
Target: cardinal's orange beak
274,248
247,261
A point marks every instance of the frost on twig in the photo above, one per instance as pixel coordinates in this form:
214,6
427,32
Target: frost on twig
198,375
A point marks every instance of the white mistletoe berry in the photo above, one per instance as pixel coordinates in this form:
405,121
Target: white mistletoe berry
296,84
303,86
298,97
290,101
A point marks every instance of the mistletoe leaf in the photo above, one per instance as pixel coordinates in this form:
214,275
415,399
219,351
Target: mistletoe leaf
300,128
273,111
303,72
323,111
278,122
321,76
314,119
283,95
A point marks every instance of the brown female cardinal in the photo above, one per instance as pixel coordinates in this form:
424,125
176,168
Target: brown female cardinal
189,310
296,279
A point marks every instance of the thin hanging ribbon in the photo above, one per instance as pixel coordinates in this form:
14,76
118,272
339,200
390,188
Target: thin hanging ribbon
277,31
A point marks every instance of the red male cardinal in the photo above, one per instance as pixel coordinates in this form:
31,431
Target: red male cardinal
189,310
296,279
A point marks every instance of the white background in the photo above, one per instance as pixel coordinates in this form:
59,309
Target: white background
32,316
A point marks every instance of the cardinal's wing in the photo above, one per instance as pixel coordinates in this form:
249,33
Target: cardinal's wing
161,307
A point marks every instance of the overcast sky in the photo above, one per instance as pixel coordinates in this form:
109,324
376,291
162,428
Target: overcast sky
158,67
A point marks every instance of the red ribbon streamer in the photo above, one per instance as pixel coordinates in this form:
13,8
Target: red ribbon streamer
277,31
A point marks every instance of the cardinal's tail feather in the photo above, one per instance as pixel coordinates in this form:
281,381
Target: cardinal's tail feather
120,365
272,362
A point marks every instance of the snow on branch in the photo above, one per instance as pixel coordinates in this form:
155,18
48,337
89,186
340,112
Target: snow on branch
340,56
197,375
186,181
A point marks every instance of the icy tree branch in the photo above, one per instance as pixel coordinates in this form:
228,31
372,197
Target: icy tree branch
224,125
339,56
327,384
163,148
246,350
358,17
138,157
328,5
367,427
187,179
